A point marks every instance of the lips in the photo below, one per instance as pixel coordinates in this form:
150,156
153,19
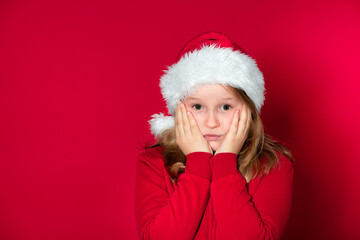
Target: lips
212,137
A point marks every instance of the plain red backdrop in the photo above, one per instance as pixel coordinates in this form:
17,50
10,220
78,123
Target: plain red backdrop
79,81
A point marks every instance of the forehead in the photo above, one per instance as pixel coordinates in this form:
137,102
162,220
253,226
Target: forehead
212,91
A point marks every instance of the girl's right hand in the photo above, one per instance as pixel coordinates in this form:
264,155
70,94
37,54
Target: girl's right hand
187,132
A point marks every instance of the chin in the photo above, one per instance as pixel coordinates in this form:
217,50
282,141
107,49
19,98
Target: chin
214,146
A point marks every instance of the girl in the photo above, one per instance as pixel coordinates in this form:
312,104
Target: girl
213,173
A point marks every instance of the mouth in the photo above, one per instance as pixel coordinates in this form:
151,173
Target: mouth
212,137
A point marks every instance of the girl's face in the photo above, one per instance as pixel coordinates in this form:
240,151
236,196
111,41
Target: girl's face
213,106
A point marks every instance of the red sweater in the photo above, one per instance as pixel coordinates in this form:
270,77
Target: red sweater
211,199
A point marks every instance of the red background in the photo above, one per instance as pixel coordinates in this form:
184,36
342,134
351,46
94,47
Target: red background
79,80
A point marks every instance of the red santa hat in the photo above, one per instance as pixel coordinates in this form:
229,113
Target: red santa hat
209,58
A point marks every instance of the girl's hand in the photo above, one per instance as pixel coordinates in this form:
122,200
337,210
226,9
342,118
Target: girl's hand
187,132
237,134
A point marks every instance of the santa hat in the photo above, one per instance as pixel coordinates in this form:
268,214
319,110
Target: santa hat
209,58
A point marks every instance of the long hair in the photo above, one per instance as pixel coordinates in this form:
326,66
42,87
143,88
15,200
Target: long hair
257,156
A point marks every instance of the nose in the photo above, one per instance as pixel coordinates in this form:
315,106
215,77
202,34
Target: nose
212,120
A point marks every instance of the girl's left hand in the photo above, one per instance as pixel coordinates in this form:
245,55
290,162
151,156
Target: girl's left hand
237,134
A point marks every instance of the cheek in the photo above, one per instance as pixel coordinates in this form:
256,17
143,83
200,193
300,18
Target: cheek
199,120
227,122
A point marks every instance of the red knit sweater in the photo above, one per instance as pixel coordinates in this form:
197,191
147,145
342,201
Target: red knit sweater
211,199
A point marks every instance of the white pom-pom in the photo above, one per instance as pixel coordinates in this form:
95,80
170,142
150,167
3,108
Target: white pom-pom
160,123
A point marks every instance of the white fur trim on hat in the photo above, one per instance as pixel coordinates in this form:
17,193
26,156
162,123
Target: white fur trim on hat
159,123
211,65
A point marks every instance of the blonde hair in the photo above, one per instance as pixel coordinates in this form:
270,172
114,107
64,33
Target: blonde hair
257,156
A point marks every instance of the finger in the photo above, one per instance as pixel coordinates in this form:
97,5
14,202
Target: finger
179,120
243,118
193,124
234,122
247,122
176,121
185,120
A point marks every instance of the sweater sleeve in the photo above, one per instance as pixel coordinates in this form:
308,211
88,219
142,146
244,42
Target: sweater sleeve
242,216
161,216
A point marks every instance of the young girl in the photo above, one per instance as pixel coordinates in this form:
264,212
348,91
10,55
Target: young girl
213,173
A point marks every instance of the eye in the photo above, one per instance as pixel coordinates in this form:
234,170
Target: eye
197,106
225,107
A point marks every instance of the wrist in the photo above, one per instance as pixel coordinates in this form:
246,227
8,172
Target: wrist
224,164
198,163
